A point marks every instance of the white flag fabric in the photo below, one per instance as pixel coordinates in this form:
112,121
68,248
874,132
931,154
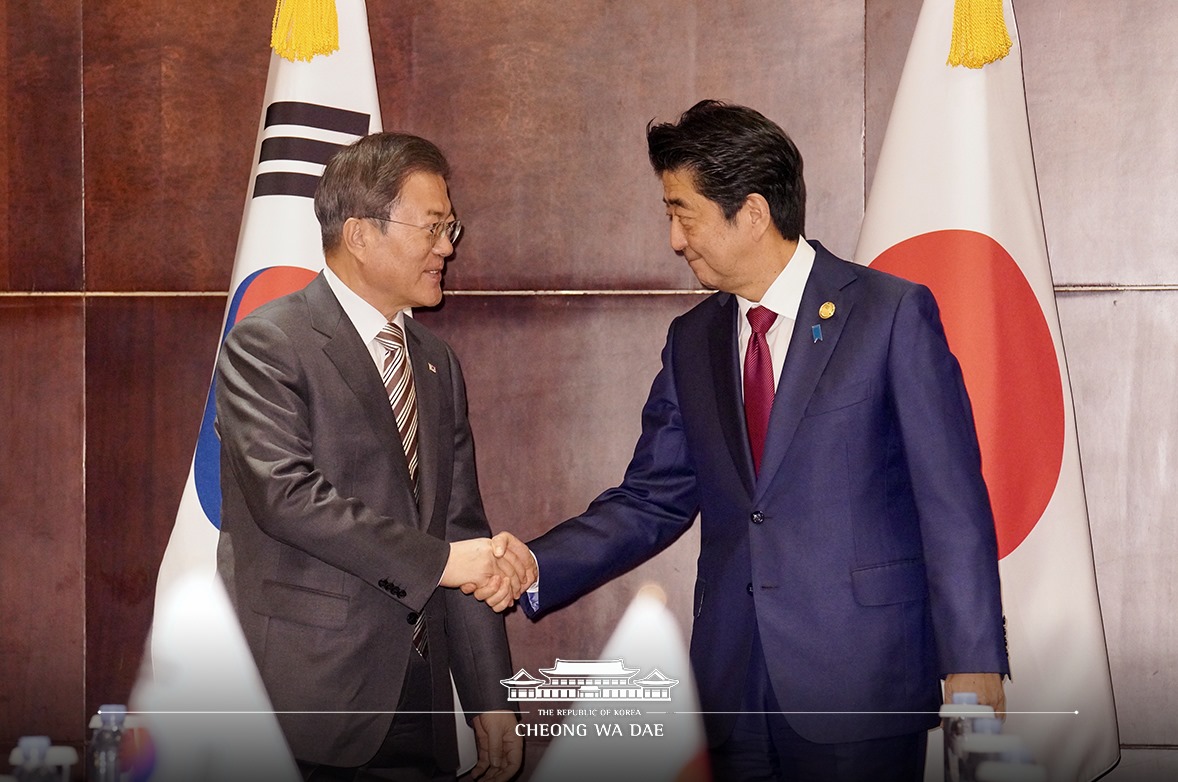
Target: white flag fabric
310,110
660,741
202,701
955,205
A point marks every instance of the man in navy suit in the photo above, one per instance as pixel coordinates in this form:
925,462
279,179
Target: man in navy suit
813,415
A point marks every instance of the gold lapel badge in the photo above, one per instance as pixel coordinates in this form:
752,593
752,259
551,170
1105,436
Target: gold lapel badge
826,310
432,368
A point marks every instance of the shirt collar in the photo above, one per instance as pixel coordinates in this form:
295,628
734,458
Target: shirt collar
367,320
784,295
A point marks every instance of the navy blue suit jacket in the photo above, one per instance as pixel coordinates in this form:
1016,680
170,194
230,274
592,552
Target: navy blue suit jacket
864,553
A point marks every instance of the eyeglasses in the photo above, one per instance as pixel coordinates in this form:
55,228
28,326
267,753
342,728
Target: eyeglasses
451,229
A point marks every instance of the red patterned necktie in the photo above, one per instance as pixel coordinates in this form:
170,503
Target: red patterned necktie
397,375
758,382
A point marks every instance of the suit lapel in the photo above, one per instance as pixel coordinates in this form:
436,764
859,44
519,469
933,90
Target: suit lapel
426,383
726,374
830,280
352,360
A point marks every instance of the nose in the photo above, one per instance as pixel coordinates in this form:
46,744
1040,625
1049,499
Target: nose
443,246
678,238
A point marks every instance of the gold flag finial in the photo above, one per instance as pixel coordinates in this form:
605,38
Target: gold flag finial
304,28
979,33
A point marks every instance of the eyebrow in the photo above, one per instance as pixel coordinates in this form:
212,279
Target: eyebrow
675,202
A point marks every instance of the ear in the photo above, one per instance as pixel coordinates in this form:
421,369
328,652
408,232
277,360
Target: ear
356,236
756,209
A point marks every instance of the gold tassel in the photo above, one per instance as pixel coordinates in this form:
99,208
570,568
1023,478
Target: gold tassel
304,28
979,33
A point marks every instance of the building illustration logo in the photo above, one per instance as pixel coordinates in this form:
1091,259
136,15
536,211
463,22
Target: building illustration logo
589,680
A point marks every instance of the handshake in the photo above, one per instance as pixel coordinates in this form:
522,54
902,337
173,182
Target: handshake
495,570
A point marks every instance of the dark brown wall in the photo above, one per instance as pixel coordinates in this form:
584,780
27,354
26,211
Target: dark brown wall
106,351
42,377
117,234
42,506
541,108
172,98
40,149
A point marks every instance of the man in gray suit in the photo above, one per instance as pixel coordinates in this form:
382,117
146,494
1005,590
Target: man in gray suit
351,507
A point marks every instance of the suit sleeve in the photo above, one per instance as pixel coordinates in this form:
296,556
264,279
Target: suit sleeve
944,462
477,636
626,525
263,420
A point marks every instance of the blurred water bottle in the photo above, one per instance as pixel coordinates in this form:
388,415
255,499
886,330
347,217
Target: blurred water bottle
957,722
1006,771
106,743
29,762
984,746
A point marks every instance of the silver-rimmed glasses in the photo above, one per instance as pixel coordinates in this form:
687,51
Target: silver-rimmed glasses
451,229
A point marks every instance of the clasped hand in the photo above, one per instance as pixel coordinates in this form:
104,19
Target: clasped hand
495,570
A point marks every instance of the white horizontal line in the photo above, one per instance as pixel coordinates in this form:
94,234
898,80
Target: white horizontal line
848,713
393,711
1111,287
570,292
110,294
585,292
532,292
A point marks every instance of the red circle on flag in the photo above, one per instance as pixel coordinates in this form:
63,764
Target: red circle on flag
272,282
1000,336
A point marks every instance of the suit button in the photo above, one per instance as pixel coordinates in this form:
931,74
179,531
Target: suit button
383,583
757,517
412,618
401,593
749,588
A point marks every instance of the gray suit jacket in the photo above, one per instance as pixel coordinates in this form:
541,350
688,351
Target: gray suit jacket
325,553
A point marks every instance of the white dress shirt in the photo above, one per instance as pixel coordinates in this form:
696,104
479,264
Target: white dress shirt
784,296
367,320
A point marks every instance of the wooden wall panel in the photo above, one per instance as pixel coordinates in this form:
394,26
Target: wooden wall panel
148,364
40,147
556,386
42,595
173,96
542,109
1102,102
1145,765
888,32
1128,430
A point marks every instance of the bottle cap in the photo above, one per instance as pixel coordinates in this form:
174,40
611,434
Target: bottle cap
113,714
30,749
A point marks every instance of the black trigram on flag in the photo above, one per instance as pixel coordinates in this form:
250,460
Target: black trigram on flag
306,150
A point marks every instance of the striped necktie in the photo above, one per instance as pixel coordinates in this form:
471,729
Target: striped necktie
397,375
